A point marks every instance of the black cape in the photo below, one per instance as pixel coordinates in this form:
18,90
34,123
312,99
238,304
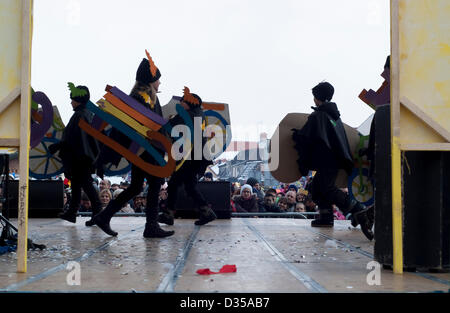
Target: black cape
77,148
322,142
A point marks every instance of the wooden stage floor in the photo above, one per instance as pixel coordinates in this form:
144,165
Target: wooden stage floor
272,255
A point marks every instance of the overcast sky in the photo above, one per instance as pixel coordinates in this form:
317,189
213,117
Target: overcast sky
262,57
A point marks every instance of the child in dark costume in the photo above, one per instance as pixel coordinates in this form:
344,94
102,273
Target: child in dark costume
382,117
322,146
144,91
78,151
191,169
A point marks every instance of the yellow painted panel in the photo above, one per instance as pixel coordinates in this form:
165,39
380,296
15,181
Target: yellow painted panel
424,49
10,121
397,221
413,130
10,64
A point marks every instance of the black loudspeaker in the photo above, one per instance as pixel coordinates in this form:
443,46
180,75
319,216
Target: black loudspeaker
216,193
383,186
426,209
426,203
46,198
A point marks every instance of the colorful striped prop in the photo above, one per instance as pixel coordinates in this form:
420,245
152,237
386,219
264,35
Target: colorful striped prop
118,110
138,123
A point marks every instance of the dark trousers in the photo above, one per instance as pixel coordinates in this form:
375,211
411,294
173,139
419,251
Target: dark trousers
186,176
81,178
325,193
137,180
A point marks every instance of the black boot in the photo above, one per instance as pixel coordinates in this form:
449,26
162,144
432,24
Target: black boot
354,221
91,221
370,216
153,230
165,218
324,220
70,215
103,219
359,216
206,215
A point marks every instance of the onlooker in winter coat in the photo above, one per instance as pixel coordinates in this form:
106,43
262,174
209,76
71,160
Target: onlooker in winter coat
291,201
246,202
105,197
256,190
269,204
283,204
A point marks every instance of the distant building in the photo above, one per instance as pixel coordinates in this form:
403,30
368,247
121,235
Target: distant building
244,159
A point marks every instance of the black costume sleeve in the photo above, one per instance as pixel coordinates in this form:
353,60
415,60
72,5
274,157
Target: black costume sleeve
76,146
304,140
322,143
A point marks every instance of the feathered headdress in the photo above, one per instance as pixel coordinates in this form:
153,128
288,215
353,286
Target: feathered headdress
147,71
79,94
153,67
76,92
189,97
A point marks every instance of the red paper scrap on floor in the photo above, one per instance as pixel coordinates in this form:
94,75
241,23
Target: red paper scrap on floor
224,269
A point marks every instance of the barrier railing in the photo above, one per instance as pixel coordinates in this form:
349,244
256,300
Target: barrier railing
303,215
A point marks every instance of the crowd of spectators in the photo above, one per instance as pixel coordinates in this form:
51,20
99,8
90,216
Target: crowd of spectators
248,198
251,197
108,192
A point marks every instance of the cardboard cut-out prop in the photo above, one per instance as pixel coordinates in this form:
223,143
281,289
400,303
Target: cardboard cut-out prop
215,114
123,166
135,105
360,186
125,118
116,110
173,109
188,143
47,131
120,169
41,120
43,164
381,96
126,130
141,125
282,148
118,119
